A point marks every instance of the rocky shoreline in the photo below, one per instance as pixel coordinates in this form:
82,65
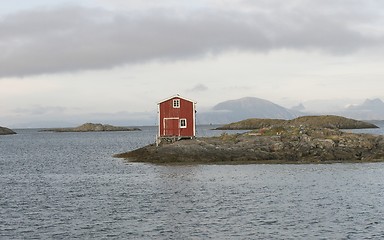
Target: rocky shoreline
274,144
6,131
91,127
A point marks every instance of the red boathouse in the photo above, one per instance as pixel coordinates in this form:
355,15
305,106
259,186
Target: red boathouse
176,118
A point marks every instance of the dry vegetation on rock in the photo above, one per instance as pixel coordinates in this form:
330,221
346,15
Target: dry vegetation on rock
327,121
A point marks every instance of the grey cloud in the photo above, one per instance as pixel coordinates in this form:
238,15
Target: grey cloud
75,38
198,88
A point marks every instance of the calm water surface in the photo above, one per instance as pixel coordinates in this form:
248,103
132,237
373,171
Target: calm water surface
67,186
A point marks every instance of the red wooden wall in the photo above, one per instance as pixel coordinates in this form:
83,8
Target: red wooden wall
169,118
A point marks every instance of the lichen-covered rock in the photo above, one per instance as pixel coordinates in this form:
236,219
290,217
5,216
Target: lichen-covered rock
290,145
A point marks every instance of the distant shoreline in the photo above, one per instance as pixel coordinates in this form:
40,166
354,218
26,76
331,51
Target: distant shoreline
91,127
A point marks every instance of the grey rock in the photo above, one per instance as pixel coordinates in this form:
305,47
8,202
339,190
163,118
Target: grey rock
6,131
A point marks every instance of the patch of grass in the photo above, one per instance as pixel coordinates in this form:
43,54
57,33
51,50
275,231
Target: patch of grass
229,137
273,131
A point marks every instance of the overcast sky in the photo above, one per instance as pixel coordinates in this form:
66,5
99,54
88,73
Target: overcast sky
87,60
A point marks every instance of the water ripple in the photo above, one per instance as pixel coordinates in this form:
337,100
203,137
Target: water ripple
67,186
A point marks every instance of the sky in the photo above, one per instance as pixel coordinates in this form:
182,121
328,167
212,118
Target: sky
68,62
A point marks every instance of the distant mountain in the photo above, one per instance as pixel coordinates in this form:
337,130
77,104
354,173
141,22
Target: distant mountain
299,107
376,105
370,109
244,108
326,106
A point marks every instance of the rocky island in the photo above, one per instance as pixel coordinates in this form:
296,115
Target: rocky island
327,121
280,142
92,127
6,131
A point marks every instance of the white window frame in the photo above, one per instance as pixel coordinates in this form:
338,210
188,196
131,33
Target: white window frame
176,103
183,120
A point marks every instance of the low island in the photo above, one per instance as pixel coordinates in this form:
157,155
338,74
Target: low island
92,127
6,131
326,121
295,141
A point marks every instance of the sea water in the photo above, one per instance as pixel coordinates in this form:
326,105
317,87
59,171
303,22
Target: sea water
68,186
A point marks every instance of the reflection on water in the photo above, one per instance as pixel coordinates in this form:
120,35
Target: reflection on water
56,185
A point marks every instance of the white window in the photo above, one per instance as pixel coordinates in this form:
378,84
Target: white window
176,103
183,123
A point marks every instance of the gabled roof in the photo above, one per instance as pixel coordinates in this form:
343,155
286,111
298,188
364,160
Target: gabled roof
176,96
